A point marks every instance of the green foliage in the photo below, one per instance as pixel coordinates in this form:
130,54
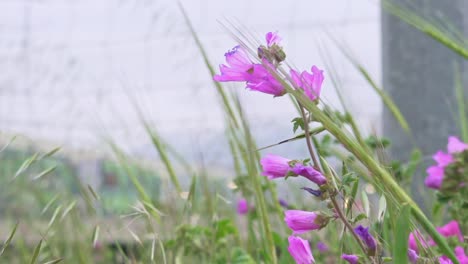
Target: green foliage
402,232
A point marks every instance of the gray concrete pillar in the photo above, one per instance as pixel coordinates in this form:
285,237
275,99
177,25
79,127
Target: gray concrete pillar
418,72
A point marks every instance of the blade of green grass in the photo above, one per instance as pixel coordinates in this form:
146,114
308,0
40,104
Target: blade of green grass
460,95
10,237
387,100
458,46
402,232
219,88
36,252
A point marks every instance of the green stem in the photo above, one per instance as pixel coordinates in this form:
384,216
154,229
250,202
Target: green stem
252,170
332,198
375,168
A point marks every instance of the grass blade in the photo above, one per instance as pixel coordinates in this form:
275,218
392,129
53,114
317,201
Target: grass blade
10,237
37,250
402,232
460,95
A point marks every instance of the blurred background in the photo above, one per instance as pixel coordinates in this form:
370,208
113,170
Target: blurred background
71,71
74,73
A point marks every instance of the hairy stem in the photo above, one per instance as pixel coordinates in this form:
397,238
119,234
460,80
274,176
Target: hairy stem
332,198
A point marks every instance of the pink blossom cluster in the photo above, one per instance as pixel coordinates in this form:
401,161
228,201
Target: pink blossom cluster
436,173
263,76
451,229
297,220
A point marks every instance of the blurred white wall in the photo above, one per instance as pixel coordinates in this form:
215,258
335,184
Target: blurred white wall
68,68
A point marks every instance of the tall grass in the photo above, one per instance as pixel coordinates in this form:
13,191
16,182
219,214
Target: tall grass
197,223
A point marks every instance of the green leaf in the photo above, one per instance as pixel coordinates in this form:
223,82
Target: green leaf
402,232
298,122
382,208
224,227
239,256
412,165
365,203
359,217
352,198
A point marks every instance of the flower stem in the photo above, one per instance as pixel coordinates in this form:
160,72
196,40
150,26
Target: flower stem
332,197
307,136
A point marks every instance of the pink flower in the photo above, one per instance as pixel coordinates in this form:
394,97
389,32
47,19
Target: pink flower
443,159
445,260
451,229
435,177
412,244
275,166
435,173
260,79
300,250
461,256
242,207
302,221
272,38
351,259
455,145
310,83
237,68
309,173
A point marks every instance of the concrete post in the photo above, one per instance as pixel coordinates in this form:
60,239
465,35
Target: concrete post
418,72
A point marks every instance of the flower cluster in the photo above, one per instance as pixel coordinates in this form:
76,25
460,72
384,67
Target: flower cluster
439,176
451,229
449,176
264,76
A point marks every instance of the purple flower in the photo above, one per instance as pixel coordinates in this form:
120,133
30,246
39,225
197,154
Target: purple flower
455,145
322,247
309,173
283,203
303,221
311,83
364,234
435,177
275,166
316,193
237,68
300,250
242,207
260,79
351,259
412,256
272,38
